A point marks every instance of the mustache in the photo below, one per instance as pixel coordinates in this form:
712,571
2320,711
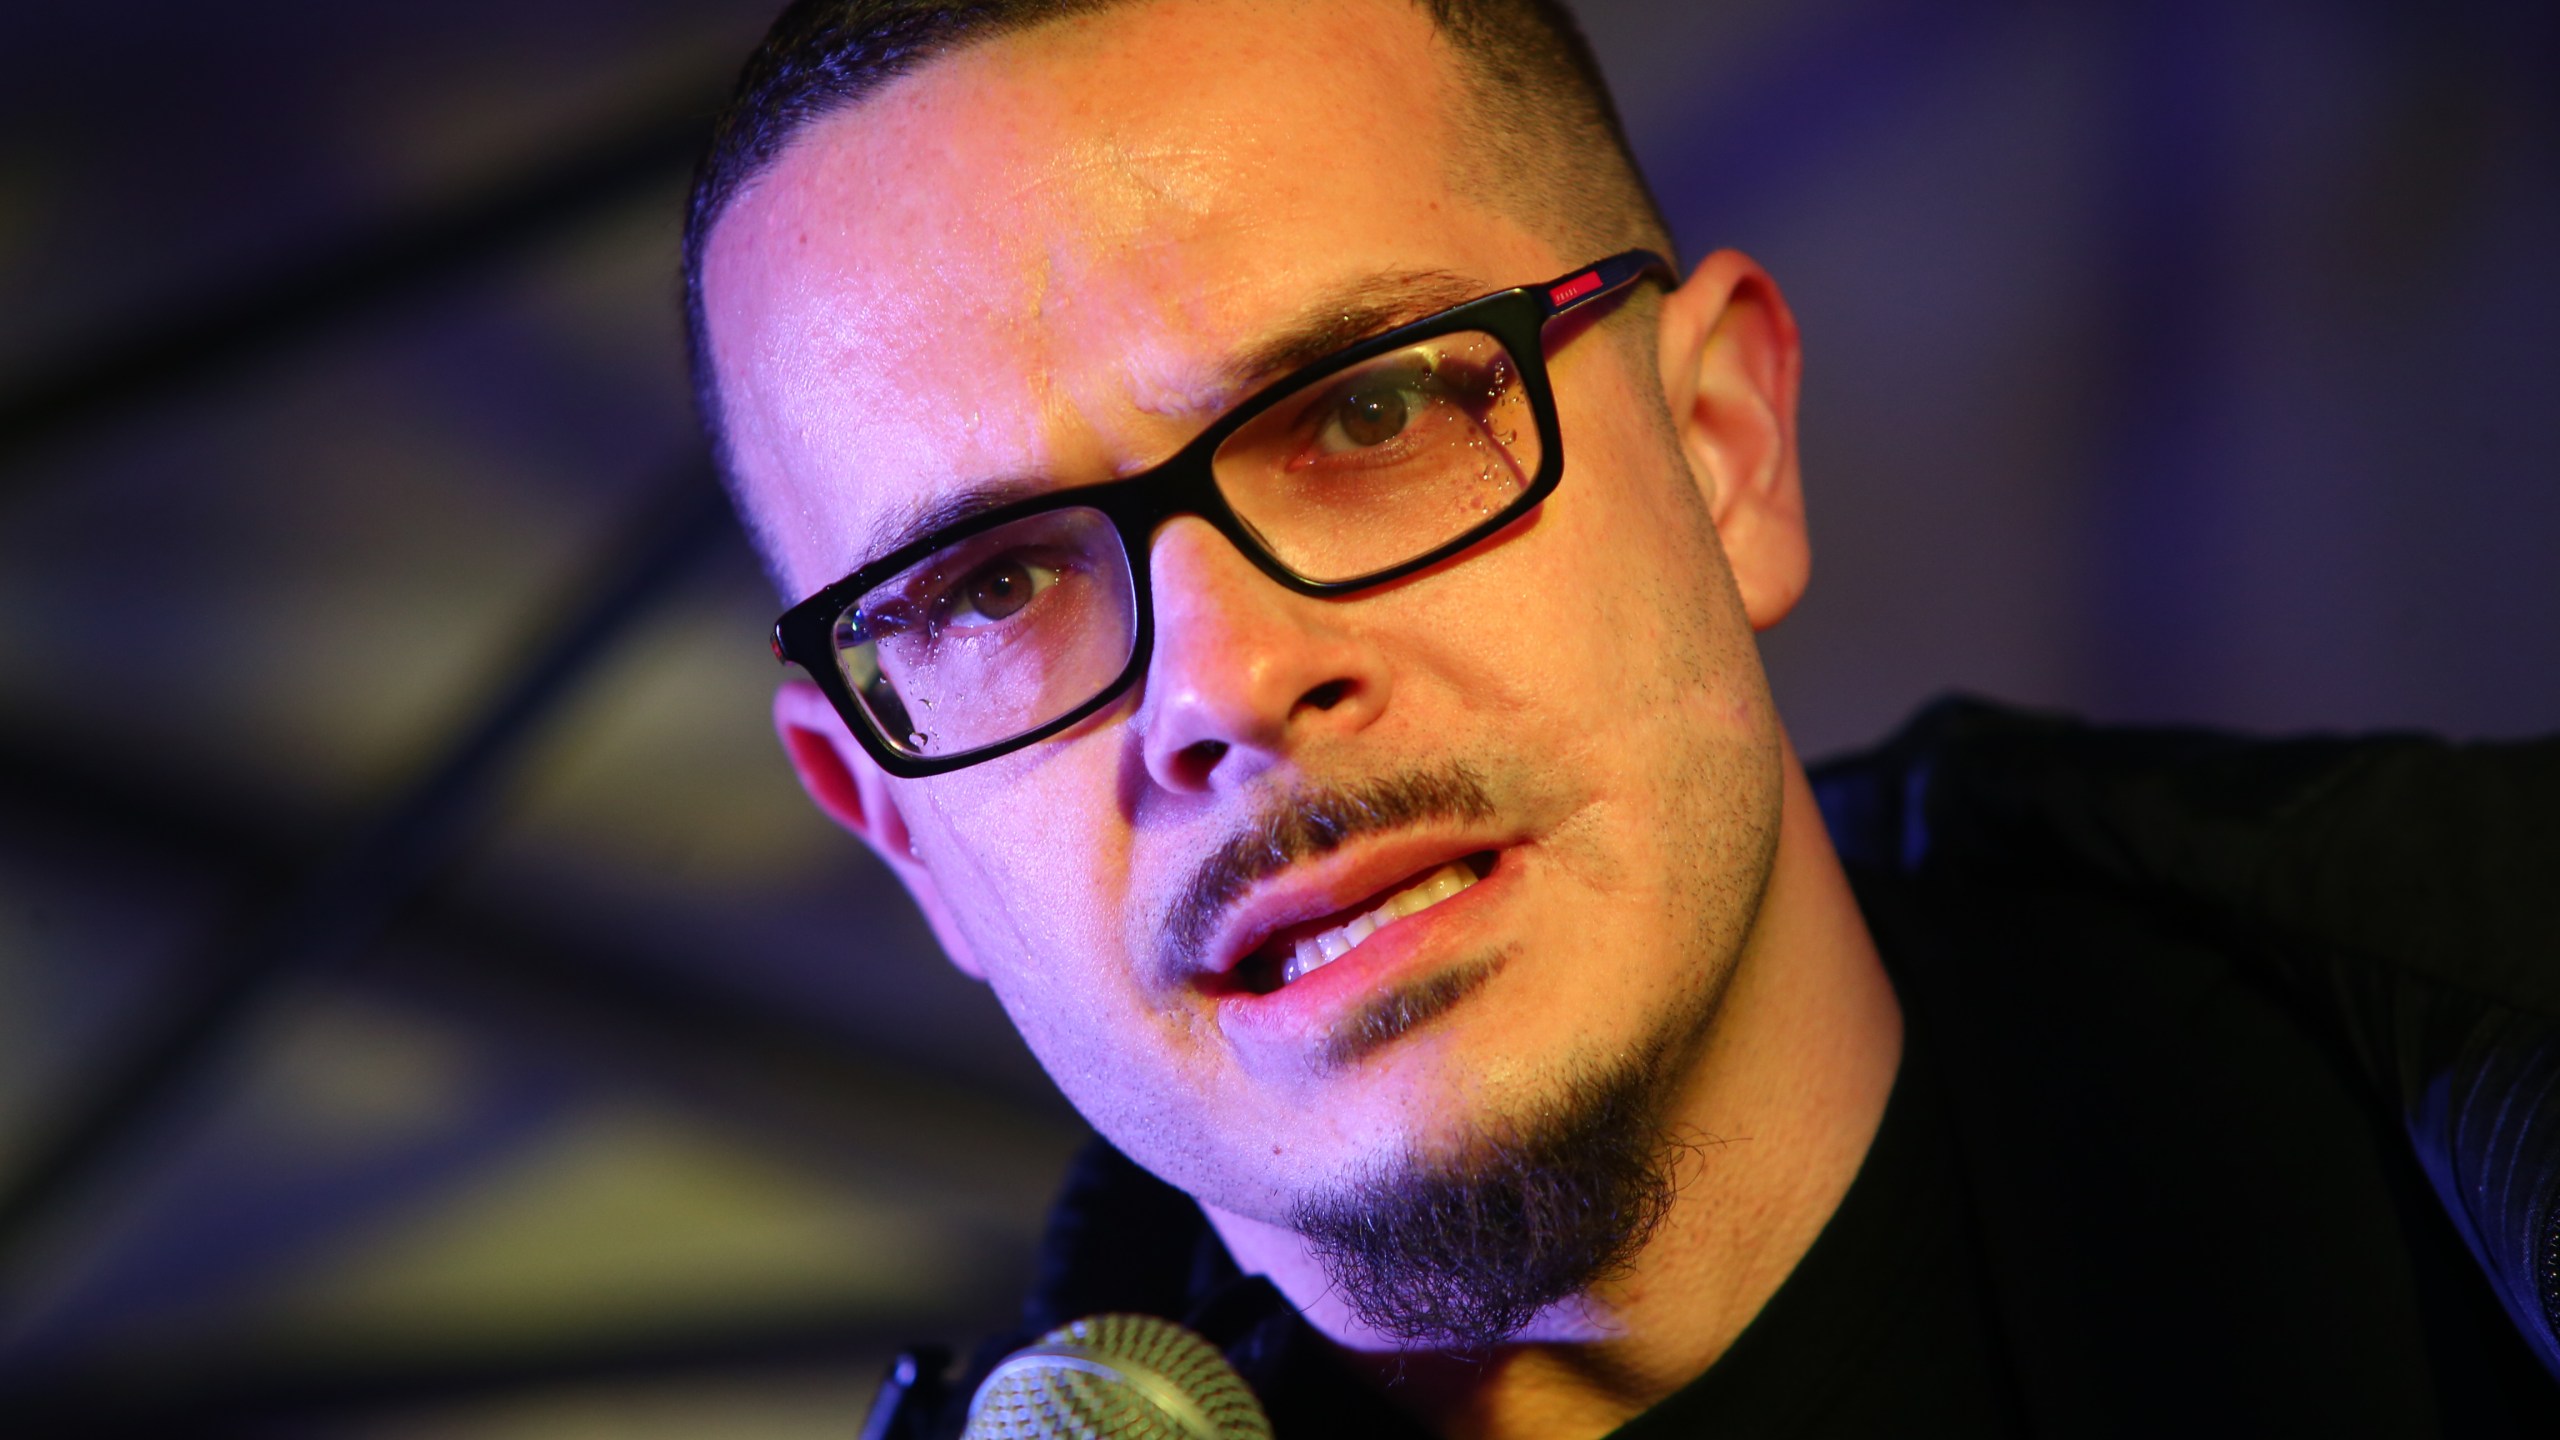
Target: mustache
1306,823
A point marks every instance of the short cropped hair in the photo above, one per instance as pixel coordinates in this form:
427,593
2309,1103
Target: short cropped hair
1556,148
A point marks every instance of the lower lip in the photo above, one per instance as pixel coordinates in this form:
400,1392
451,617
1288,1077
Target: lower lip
1301,1016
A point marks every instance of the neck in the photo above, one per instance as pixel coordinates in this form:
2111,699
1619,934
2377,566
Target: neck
1794,1078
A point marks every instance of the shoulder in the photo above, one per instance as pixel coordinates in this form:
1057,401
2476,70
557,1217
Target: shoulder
2404,850
2180,975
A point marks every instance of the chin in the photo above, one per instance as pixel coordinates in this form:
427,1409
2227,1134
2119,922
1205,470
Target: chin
1465,1233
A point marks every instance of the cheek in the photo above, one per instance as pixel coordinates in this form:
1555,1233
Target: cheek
1611,615
1032,861
1634,682
1666,590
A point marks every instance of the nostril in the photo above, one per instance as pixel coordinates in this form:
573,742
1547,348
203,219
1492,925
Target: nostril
1327,695
1200,758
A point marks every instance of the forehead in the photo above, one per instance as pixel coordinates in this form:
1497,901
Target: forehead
1031,260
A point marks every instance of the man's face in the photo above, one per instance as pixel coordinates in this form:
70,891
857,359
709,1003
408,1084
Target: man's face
1033,261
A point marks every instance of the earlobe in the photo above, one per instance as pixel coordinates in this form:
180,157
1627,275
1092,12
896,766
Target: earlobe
850,790
1731,367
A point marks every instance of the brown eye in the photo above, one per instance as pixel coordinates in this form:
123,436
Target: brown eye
999,590
1372,415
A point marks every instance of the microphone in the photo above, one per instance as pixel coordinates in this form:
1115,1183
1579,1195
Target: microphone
1125,1377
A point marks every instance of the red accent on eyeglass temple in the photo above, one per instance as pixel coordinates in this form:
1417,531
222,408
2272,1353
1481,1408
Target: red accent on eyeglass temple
1575,288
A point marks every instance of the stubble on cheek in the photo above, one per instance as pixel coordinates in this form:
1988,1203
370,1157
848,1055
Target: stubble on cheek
1689,830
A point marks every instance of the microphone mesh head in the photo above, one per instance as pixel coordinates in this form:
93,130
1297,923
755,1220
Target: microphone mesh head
1127,1377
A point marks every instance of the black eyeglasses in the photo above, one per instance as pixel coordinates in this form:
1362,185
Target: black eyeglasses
1366,466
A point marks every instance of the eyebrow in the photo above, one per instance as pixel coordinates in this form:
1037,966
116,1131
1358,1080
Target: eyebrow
1348,313
1339,317
905,526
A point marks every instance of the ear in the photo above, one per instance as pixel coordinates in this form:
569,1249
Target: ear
853,791
1731,365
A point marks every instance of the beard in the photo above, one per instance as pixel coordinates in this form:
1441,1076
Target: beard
1462,1251
1461,1247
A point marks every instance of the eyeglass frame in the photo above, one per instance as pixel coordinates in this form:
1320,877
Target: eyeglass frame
1186,483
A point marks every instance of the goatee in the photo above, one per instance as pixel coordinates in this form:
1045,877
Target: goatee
1461,1251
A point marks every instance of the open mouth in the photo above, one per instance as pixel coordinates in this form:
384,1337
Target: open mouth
1293,953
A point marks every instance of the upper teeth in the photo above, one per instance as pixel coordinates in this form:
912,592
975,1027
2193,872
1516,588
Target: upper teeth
1317,951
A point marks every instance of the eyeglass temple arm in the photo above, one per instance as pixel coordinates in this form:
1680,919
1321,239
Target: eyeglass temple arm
1615,273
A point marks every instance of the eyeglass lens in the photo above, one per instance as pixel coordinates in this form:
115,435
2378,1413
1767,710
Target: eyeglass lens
1359,471
1369,467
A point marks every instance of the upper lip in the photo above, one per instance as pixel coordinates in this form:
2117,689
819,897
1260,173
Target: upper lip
1311,889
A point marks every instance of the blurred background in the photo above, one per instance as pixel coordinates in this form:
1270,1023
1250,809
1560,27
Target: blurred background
427,1007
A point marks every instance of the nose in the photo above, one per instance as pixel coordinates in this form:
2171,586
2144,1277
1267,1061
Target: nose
1244,671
